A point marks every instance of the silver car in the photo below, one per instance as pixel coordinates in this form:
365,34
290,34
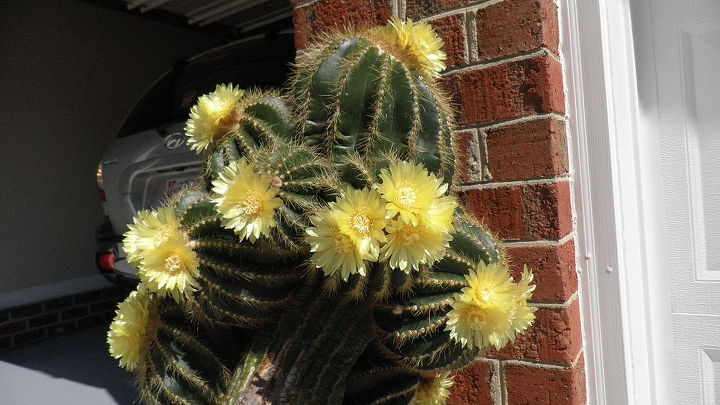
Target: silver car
139,172
150,160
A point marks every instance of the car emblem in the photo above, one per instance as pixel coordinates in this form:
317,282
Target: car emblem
175,140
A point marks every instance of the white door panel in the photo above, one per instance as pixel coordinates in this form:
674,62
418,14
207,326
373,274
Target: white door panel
687,67
696,343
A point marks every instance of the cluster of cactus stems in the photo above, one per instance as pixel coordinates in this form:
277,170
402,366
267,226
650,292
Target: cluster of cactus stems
259,323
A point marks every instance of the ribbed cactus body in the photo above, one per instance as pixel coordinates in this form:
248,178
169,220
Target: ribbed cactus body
243,282
412,326
360,99
263,324
305,358
381,385
185,364
306,184
263,117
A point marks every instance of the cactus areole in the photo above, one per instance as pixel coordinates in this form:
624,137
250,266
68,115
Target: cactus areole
321,258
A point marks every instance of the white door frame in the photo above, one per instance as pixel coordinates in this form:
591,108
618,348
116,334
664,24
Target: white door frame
617,195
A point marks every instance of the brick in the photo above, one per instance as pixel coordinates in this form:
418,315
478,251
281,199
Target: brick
452,31
12,327
43,320
528,385
59,303
528,150
553,267
418,9
507,91
61,329
516,26
329,15
473,385
5,343
554,337
468,158
26,311
302,25
523,212
87,297
29,337
92,320
103,306
74,313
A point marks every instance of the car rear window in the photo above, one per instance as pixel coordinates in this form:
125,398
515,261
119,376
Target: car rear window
262,62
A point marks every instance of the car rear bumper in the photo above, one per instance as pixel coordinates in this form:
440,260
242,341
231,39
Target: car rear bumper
121,279
117,270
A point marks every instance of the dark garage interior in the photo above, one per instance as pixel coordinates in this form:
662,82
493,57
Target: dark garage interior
73,77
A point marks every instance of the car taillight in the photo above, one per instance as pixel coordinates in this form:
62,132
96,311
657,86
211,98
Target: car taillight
106,261
100,183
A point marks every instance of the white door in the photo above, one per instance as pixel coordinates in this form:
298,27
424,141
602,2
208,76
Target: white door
686,42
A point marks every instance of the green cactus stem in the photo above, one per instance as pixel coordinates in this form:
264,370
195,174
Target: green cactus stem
353,97
186,364
262,324
412,326
263,118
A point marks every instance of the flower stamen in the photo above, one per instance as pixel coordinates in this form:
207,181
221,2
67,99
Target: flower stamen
251,206
406,196
361,224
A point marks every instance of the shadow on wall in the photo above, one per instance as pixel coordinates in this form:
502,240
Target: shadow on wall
73,369
71,72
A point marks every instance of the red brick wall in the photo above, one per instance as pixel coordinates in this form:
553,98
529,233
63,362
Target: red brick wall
506,79
20,326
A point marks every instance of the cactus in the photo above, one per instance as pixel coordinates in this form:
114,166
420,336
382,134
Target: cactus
355,96
252,310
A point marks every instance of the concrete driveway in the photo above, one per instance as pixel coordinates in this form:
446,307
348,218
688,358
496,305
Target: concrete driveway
74,369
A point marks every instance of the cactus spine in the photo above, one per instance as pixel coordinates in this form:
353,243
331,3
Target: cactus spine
261,323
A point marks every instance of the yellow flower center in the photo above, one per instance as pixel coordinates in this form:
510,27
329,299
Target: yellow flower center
174,264
227,118
406,196
409,235
163,233
486,295
475,317
251,205
360,223
342,242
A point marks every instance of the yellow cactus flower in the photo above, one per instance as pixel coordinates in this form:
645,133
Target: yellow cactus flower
441,212
132,329
149,229
524,314
360,214
416,44
171,268
332,249
486,313
246,199
409,245
214,115
433,391
411,192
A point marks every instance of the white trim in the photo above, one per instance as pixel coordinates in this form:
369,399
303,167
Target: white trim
653,337
626,324
29,295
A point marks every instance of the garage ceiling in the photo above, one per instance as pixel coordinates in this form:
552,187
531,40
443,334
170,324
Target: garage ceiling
228,18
